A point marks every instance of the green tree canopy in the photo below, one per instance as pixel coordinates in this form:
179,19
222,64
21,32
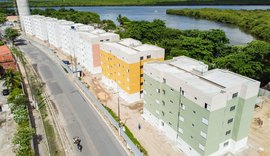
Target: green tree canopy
12,79
11,34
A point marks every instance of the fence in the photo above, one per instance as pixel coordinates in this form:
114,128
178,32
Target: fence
263,92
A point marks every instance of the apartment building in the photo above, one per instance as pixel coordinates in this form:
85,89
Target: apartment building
62,29
122,66
27,25
51,30
205,112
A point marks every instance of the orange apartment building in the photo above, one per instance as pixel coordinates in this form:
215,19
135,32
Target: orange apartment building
122,66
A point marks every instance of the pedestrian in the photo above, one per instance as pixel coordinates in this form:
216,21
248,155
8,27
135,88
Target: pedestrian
139,126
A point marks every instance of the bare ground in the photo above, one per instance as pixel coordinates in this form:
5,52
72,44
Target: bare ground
7,130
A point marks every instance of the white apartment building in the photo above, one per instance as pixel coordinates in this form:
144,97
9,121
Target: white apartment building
27,25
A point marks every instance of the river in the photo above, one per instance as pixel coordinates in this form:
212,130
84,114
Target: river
236,36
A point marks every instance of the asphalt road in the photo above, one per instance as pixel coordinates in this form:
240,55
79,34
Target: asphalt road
80,118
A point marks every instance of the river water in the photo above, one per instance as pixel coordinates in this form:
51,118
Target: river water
236,36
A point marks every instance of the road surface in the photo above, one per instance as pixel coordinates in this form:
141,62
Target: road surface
80,118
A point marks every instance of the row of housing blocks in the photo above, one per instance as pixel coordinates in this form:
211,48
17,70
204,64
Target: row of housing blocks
206,112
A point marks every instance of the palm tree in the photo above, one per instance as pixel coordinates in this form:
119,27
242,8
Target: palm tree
12,79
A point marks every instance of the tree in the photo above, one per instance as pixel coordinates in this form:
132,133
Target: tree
14,94
12,79
108,25
2,18
11,34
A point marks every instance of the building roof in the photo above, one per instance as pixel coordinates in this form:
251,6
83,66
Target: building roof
4,49
196,74
5,54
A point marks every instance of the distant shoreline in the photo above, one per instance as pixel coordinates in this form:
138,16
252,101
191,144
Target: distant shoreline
88,4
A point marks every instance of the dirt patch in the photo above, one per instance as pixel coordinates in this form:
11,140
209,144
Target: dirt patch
259,138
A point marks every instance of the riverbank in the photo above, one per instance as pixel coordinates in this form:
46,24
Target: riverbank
255,22
135,3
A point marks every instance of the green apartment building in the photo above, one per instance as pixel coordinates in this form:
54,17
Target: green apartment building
206,112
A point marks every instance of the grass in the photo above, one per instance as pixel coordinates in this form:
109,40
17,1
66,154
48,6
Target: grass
128,132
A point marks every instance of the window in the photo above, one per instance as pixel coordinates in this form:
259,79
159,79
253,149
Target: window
232,108
183,92
228,132
195,98
158,90
171,101
141,83
127,70
141,75
164,80
148,56
203,134
206,106
170,112
205,121
182,118
170,123
194,112
163,91
172,89
182,106
201,147
162,113
192,125
141,67
180,130
191,137
226,144
163,103
234,95
141,58
141,91
230,120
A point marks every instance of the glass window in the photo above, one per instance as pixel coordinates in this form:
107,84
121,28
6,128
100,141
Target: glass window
230,120
234,95
148,56
228,132
232,108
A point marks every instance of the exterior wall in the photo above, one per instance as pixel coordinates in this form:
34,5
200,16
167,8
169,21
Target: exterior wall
127,76
170,110
27,25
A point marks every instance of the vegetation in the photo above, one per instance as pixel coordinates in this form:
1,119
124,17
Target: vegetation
12,79
36,90
128,132
11,34
133,2
2,18
255,22
211,47
70,15
18,101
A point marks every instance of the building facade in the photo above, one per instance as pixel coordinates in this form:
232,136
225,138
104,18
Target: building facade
122,66
205,112
78,41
